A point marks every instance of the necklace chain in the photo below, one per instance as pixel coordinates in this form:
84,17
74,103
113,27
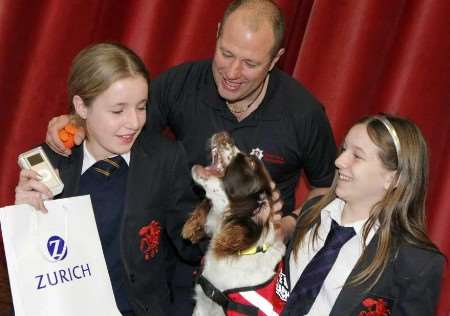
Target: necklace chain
245,109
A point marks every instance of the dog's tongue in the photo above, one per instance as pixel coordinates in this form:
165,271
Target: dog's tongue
213,171
216,167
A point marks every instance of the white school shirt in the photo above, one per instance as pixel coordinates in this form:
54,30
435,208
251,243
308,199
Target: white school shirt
89,160
344,264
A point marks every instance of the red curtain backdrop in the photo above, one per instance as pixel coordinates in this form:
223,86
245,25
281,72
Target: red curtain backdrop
358,57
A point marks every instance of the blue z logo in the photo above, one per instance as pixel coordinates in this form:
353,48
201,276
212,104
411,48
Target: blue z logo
57,248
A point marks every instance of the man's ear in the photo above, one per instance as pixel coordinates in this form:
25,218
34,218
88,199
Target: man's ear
276,58
79,106
218,30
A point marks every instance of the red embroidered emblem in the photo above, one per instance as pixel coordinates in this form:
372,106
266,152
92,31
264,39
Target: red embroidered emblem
276,159
149,244
375,307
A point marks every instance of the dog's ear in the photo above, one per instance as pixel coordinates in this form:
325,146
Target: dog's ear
193,229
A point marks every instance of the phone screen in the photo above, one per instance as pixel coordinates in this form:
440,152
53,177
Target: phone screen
35,159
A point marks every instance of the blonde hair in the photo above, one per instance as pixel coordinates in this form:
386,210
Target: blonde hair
96,67
401,212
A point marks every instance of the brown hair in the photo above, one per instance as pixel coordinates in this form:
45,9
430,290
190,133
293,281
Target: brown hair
98,66
262,10
401,212
247,184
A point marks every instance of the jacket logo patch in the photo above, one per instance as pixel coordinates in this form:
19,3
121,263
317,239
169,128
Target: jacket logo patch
376,306
274,158
257,153
281,288
150,238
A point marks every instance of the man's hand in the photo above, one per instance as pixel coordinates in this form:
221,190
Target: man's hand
288,223
277,206
277,202
31,191
287,227
52,139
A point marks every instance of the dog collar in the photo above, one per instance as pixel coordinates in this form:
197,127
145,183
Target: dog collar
253,250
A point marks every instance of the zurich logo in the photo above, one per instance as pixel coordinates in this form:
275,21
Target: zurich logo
57,248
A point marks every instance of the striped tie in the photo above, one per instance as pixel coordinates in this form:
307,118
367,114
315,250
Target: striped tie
108,166
310,282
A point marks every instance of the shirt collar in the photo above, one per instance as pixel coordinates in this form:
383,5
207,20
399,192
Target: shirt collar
334,211
268,111
89,160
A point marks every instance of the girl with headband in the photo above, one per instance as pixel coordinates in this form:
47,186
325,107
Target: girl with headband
362,249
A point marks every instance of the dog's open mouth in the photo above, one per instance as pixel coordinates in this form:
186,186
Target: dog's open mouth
222,152
216,167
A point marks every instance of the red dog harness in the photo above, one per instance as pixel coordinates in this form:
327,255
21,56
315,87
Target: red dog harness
266,299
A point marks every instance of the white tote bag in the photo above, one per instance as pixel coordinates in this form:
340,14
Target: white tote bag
55,261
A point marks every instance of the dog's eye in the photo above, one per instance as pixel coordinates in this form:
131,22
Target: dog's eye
262,198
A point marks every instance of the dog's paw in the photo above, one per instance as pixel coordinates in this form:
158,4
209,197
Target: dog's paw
194,228
192,231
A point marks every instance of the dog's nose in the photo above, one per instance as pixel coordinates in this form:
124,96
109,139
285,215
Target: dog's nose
199,172
221,138
204,172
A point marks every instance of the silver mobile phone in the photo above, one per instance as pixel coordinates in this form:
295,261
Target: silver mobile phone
37,160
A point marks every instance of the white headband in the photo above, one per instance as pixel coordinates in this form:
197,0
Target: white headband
391,131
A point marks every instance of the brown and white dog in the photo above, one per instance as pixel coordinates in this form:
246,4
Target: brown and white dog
245,249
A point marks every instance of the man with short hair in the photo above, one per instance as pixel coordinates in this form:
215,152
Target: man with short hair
241,91
267,112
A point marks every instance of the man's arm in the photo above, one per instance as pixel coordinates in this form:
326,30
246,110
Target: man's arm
289,221
157,112
316,141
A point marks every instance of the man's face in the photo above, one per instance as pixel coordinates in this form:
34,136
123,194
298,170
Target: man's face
242,59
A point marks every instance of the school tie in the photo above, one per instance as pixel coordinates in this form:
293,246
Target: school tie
107,166
310,282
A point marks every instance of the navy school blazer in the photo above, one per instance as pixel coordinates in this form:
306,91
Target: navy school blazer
159,188
409,285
